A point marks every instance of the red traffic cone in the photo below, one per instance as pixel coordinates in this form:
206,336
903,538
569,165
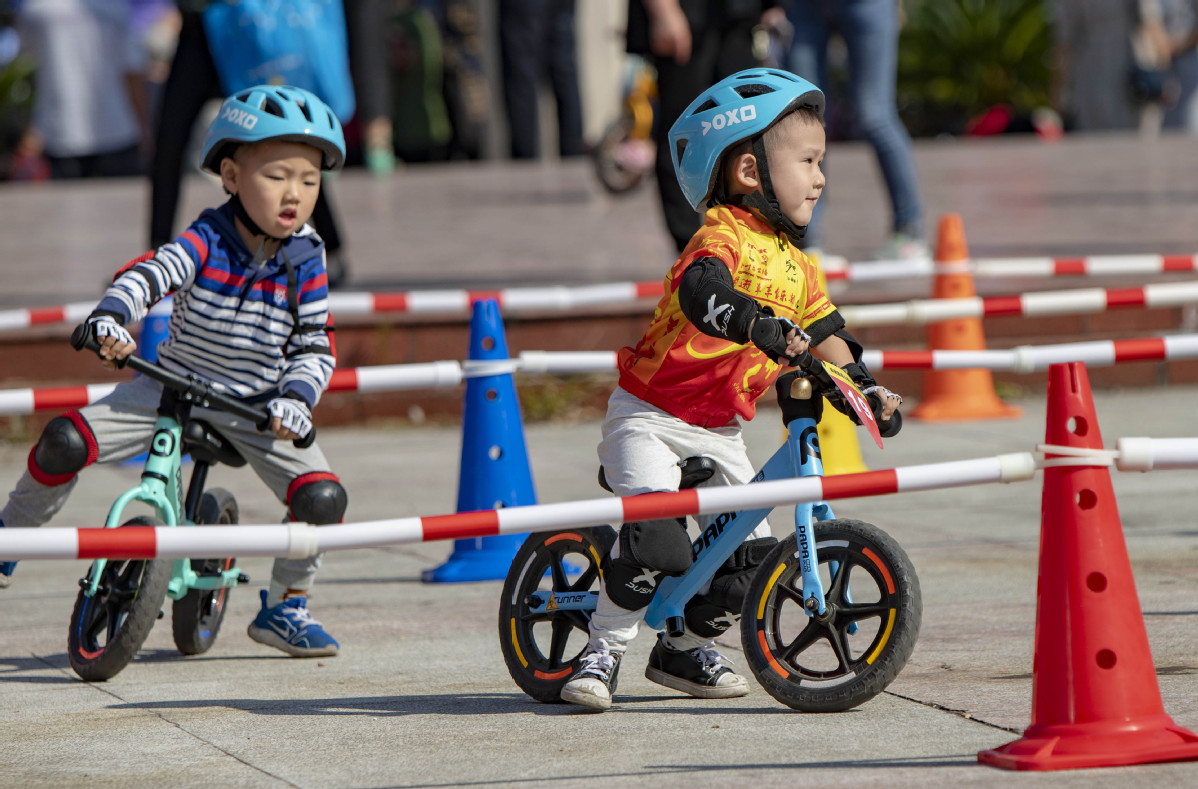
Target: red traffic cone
957,395
1095,698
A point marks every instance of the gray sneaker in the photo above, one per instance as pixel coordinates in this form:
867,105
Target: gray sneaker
6,570
594,681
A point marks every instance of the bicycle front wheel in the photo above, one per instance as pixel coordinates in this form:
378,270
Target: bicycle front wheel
197,616
109,627
845,658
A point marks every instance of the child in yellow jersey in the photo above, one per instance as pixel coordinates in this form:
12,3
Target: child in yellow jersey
740,303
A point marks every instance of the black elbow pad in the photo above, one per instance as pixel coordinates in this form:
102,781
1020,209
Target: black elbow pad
712,303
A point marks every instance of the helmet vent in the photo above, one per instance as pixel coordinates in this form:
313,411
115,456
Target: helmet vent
756,89
680,148
304,108
273,107
704,107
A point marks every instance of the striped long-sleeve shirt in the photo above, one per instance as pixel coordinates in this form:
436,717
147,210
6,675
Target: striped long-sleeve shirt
231,322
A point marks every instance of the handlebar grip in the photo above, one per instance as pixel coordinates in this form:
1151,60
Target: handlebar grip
305,442
807,362
82,338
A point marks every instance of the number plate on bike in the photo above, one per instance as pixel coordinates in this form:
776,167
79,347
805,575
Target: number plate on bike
855,399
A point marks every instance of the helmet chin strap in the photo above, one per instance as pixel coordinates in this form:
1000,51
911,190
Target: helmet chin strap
252,226
766,202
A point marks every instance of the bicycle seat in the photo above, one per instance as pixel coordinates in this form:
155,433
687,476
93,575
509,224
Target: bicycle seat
695,471
207,445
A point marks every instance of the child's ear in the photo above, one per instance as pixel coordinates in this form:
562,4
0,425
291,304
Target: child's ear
228,174
744,170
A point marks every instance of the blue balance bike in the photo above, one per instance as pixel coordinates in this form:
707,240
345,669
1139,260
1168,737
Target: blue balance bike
120,599
830,617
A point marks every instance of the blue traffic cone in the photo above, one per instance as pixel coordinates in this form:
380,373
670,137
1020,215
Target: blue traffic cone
494,467
154,328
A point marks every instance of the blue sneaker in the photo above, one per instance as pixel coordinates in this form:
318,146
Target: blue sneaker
288,626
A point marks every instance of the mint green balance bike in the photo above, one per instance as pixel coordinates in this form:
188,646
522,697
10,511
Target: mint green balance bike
120,599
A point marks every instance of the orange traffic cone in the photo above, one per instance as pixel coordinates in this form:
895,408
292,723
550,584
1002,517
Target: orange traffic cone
1095,698
957,395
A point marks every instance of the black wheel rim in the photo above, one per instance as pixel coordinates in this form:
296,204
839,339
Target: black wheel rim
816,651
105,612
212,601
547,644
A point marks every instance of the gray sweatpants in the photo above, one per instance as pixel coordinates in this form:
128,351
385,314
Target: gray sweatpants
640,451
123,423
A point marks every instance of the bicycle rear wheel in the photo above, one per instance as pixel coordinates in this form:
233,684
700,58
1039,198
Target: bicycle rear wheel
849,656
109,627
615,176
540,648
197,616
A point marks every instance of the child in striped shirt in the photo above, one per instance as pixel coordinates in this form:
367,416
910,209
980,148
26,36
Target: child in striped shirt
251,315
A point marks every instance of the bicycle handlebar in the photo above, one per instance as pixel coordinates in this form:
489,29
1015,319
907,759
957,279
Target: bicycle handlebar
193,388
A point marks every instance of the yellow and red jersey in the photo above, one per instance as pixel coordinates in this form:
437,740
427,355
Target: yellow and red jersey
707,380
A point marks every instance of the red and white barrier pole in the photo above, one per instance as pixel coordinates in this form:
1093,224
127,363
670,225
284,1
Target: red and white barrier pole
299,540
433,375
837,269
1031,358
1147,454
424,302
24,318
1060,302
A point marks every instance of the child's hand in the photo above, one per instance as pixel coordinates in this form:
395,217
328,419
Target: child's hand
797,342
778,338
290,418
889,419
116,344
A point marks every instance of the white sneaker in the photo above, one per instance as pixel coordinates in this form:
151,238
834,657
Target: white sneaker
594,681
901,246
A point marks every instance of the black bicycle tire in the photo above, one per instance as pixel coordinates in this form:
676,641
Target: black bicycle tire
615,133
877,665
121,646
194,630
538,675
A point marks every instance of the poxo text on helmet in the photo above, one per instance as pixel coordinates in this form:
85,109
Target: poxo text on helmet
738,108
270,112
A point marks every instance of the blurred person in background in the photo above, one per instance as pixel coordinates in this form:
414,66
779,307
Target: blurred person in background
192,82
366,26
90,114
692,44
1180,18
156,27
1111,62
537,41
870,30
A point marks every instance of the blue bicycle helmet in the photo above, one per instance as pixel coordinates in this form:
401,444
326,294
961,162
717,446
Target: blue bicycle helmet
270,112
740,107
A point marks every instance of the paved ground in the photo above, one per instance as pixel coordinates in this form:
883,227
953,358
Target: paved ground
420,696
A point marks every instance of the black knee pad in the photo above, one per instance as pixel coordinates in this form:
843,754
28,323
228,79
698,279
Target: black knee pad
706,619
712,613
317,498
731,581
62,449
649,550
